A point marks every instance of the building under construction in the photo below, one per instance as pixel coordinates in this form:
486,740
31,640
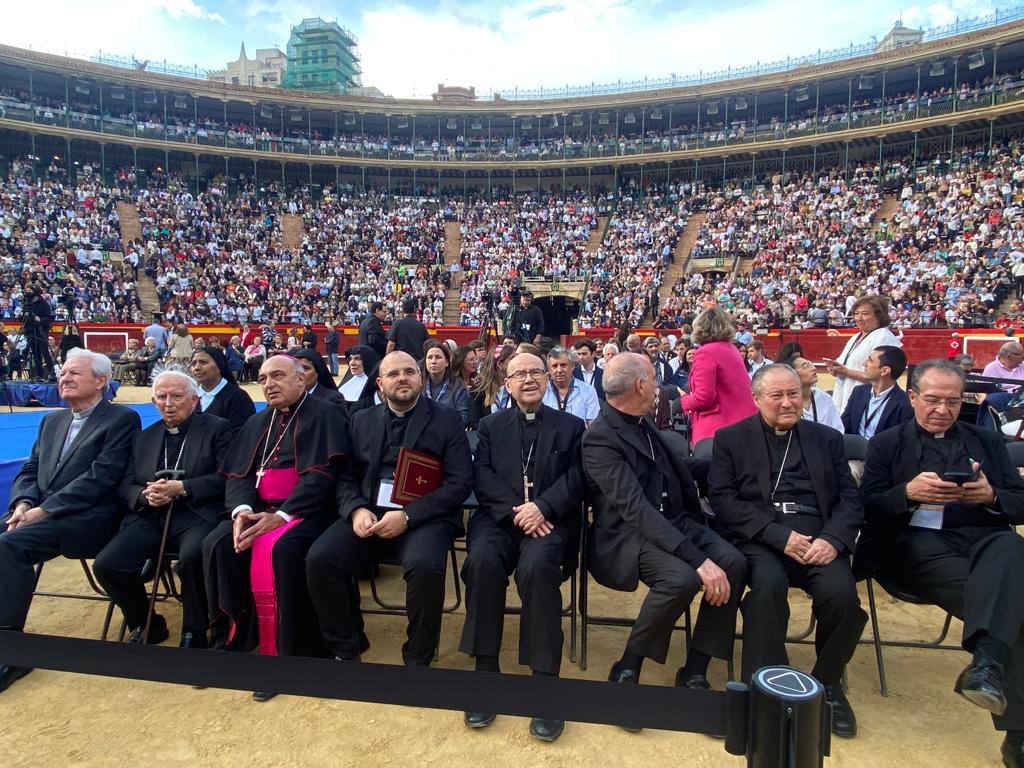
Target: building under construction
322,57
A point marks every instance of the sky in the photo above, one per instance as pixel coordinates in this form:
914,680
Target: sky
408,47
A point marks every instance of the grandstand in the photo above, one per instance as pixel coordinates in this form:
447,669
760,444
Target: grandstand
783,185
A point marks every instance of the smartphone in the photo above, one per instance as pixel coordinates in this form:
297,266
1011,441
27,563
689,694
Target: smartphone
958,477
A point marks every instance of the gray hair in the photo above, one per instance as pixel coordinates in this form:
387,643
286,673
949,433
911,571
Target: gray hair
713,324
941,366
191,387
559,353
610,344
98,364
768,370
622,371
1011,348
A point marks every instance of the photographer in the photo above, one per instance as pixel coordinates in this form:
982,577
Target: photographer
38,319
527,322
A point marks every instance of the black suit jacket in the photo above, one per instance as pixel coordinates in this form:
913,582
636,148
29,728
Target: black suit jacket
80,490
739,485
896,411
577,372
432,429
625,491
234,404
371,334
894,459
558,483
207,443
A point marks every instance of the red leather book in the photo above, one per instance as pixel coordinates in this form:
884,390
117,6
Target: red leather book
416,475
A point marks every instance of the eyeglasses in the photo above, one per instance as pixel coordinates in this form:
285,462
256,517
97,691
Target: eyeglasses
936,402
534,373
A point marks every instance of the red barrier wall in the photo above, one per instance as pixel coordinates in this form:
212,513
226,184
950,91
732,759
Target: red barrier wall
919,343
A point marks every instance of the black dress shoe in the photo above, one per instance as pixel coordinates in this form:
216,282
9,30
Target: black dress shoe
621,674
1013,751
9,674
543,729
190,639
981,683
157,632
477,719
262,696
844,722
695,682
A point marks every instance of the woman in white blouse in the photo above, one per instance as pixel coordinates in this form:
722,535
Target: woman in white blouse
871,314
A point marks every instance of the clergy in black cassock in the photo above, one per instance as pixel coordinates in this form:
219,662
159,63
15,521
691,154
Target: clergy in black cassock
190,441
527,521
279,496
371,527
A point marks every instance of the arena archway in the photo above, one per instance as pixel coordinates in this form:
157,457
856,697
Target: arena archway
559,312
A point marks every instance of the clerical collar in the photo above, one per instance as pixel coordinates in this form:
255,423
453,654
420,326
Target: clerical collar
629,418
181,428
770,430
85,414
403,414
534,416
936,435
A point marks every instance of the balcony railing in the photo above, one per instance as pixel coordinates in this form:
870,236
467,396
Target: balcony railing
504,150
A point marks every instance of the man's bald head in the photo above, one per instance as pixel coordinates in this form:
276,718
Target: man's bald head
1011,352
399,380
633,388
633,343
282,380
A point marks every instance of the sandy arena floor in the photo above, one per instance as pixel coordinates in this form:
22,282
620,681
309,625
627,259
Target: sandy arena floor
58,719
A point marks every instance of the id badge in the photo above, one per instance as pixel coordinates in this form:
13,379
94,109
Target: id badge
384,495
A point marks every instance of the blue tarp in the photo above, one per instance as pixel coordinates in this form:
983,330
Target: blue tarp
23,392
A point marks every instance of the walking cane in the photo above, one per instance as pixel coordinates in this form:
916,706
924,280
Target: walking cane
163,474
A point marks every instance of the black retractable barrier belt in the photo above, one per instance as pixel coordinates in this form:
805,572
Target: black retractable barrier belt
638,706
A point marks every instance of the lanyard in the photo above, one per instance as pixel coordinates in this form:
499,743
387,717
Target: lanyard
563,404
430,390
782,467
869,416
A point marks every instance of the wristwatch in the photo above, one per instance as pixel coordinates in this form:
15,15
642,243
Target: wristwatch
406,516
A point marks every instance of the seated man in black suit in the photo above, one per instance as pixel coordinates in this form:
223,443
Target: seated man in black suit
648,527
879,404
527,520
64,499
781,485
372,526
184,439
940,497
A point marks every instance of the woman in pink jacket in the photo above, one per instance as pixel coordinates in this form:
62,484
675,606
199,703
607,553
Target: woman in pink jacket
719,385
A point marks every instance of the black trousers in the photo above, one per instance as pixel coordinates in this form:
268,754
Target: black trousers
977,574
337,558
672,584
496,549
24,548
765,607
233,622
119,566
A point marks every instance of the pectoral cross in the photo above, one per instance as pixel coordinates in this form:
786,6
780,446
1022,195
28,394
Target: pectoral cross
259,476
527,485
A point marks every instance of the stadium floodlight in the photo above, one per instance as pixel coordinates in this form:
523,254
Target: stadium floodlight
452,124
711,108
402,121
180,102
82,87
976,59
802,93
476,125
149,97
867,82
656,113
630,118
602,118
296,116
577,121
116,92
266,112
937,68
350,118
740,103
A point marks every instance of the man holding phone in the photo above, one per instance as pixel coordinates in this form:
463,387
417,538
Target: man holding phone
940,497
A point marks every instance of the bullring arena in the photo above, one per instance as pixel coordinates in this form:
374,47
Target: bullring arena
779,194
